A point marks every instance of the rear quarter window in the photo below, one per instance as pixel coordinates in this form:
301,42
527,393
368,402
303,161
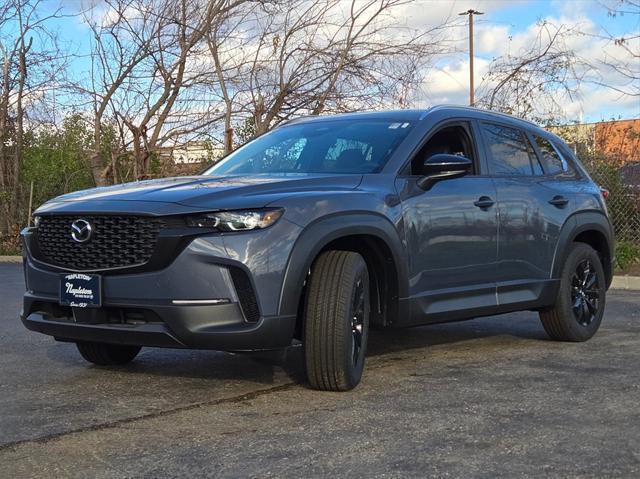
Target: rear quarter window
553,160
574,163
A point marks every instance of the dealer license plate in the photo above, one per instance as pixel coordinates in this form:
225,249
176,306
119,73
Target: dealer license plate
81,290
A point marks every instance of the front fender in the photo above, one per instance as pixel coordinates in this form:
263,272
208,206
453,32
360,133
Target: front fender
329,228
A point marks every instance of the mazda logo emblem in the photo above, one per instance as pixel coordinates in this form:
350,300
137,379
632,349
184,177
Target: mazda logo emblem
81,231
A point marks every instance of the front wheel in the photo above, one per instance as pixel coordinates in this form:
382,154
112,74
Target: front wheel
336,323
577,313
104,354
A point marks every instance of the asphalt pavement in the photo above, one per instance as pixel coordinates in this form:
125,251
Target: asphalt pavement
491,397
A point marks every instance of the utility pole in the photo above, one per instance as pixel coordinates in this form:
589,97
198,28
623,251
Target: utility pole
471,13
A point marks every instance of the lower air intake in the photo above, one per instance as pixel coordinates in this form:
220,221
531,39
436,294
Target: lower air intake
246,295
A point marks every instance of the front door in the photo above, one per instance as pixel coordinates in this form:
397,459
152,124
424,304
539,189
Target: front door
450,233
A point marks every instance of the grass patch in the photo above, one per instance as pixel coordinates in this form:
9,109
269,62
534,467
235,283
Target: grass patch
10,247
627,256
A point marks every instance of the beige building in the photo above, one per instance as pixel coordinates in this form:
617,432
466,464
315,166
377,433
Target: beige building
192,152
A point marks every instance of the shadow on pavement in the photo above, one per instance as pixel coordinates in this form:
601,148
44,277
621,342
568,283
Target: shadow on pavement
518,326
275,367
211,366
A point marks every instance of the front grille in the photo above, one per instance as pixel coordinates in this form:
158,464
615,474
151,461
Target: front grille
246,296
116,241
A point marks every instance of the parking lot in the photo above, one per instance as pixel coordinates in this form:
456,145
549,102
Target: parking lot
485,398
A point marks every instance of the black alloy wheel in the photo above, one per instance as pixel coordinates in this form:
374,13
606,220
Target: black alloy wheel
579,305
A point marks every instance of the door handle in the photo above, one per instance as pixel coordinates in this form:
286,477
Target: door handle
559,201
484,202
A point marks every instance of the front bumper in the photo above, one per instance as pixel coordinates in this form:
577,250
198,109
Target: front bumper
140,309
195,327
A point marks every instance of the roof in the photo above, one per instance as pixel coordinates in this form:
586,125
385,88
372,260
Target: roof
413,115
399,115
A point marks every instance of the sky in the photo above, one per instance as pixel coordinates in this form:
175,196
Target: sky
505,25
508,23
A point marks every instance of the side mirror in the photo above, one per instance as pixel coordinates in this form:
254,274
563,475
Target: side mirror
443,166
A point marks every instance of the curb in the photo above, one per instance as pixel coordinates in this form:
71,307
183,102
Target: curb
626,282
631,283
10,259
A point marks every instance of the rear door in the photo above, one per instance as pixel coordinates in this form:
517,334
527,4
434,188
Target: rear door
532,207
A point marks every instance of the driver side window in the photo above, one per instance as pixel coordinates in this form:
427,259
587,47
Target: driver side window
452,139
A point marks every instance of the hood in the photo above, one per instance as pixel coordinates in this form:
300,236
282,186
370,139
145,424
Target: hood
215,192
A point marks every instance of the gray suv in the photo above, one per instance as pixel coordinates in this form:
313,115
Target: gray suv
321,229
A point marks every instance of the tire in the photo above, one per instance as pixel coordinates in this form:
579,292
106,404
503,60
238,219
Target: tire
336,322
104,354
579,307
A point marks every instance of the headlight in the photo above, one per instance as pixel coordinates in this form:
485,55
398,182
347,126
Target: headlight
236,220
36,221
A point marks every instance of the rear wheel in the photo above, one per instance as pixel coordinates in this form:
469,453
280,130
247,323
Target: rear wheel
336,325
104,354
579,307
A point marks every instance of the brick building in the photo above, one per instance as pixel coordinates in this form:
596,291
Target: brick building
618,140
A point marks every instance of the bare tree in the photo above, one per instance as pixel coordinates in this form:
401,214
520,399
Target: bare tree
621,52
313,56
225,45
114,59
29,57
148,75
172,100
533,81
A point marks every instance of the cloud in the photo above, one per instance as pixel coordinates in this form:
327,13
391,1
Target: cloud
602,104
421,13
491,39
448,83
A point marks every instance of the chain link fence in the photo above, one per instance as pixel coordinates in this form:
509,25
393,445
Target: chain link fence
623,203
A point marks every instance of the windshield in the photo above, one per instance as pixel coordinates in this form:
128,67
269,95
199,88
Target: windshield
339,146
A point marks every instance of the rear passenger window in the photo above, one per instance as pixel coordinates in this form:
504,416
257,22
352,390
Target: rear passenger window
511,152
552,160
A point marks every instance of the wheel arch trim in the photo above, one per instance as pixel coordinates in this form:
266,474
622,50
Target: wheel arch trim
576,224
323,231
